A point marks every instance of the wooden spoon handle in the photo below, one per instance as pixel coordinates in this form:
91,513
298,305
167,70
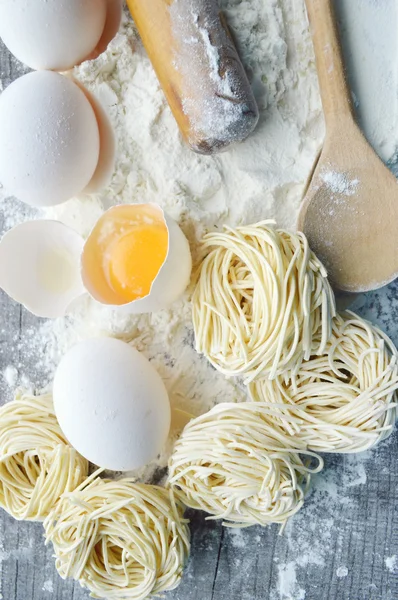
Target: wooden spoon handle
198,66
336,97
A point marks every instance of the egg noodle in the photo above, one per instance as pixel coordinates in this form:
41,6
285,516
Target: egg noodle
37,465
344,401
119,539
232,463
260,299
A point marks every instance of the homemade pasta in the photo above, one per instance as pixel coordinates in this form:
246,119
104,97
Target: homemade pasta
260,300
344,401
232,464
37,465
120,539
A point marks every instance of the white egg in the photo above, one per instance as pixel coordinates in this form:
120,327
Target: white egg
111,404
102,253
39,266
49,139
52,34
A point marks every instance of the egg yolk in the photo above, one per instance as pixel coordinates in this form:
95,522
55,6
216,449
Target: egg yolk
124,253
134,260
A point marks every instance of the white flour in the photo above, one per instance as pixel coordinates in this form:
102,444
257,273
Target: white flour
288,589
391,563
48,586
342,572
339,183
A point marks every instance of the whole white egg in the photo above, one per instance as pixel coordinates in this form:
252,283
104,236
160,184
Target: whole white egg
52,34
111,404
49,139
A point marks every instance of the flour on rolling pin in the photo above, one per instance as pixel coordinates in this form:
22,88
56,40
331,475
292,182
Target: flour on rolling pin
199,69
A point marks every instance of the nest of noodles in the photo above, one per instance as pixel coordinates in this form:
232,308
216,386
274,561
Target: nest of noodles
260,301
120,539
37,465
344,401
234,465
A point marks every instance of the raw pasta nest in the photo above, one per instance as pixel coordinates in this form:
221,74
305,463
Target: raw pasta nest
260,299
37,465
120,539
344,401
232,464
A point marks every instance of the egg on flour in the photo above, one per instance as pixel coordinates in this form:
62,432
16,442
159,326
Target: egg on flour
49,139
52,34
111,404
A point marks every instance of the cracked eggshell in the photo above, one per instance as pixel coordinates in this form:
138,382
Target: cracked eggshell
39,266
170,282
111,404
173,277
49,139
52,34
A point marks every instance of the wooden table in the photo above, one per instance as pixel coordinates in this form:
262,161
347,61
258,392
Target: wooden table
342,546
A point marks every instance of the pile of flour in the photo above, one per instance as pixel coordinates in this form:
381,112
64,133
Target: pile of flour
264,177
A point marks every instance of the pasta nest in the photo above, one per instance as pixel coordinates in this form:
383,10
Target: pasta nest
344,401
37,465
119,539
260,300
232,464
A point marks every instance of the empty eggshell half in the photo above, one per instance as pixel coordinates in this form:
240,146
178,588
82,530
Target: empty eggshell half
136,259
40,266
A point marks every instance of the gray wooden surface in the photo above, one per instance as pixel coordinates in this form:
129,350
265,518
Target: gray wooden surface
342,546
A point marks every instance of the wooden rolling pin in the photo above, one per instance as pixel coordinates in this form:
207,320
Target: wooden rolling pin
198,66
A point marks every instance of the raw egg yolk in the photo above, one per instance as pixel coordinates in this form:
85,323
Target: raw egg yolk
125,252
134,260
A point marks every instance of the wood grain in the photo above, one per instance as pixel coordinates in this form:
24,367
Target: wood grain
348,523
352,231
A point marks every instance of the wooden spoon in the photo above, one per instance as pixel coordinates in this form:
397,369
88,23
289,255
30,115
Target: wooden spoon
350,211
198,66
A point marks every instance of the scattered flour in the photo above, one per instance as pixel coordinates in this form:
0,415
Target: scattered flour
339,183
287,581
342,572
392,563
48,586
237,537
22,553
315,537
10,375
358,477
